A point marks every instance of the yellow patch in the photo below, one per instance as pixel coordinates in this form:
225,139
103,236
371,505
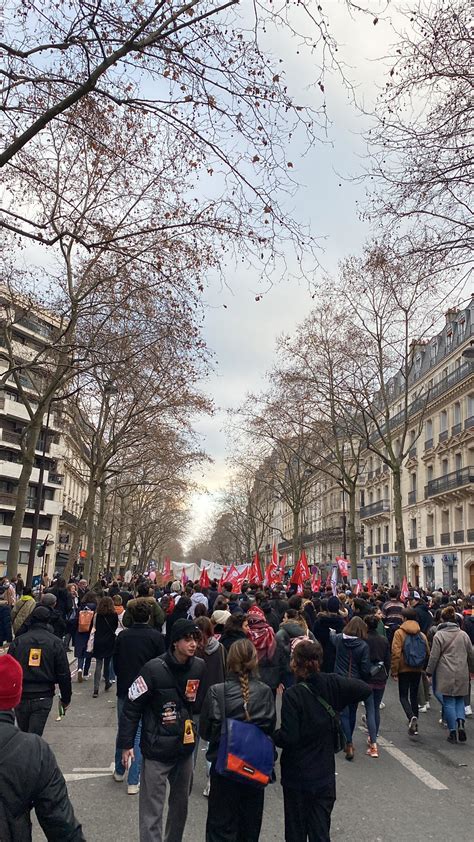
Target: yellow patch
35,658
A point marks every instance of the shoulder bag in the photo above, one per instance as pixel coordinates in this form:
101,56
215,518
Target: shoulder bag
338,736
245,753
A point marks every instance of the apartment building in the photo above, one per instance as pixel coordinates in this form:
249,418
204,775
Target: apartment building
32,332
438,475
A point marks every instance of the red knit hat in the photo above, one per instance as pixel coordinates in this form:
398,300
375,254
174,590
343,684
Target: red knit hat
11,682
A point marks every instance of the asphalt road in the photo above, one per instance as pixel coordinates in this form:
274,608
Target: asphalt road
418,789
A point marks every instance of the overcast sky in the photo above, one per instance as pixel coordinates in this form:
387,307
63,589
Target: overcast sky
242,336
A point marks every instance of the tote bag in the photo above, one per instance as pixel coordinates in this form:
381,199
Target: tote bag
245,753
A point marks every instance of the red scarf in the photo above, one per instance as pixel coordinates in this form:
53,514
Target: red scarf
260,633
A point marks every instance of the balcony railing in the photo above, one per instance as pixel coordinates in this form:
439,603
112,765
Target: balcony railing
469,422
369,550
413,543
377,549
428,444
69,518
458,536
10,436
385,548
412,452
470,534
57,479
430,540
412,497
375,508
445,538
443,436
449,482
456,428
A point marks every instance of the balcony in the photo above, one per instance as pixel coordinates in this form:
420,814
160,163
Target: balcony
369,550
55,479
385,548
430,540
456,429
443,436
377,549
445,538
449,482
470,535
458,536
412,452
412,497
413,543
328,534
72,520
10,436
428,444
376,508
469,423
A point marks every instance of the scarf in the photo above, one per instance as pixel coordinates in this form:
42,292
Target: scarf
260,633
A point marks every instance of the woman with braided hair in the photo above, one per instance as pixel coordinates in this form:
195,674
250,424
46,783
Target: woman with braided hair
235,809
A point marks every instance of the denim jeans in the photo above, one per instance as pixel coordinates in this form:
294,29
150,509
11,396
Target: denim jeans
372,711
136,765
348,720
98,672
453,707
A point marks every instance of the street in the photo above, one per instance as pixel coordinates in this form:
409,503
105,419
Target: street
418,789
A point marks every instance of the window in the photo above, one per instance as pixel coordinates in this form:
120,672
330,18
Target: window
444,467
461,327
433,350
457,413
449,339
385,537
443,421
413,527
413,482
458,461
429,429
429,472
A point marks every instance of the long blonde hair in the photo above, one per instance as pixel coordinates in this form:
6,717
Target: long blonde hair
243,661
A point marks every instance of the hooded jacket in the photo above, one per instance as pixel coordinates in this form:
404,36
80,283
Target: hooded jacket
30,778
452,658
398,661
288,632
198,599
352,657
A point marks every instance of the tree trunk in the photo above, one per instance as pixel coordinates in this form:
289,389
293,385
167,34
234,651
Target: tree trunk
90,530
296,536
28,460
352,532
397,510
76,540
130,551
98,564
117,545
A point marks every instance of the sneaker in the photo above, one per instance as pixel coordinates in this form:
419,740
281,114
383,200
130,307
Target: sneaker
413,726
461,731
133,789
423,708
442,723
428,706
452,738
86,676
373,750
118,777
349,751
468,710
382,705
80,676
207,789
108,685
95,695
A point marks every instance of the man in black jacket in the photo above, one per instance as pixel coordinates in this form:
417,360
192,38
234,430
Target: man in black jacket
134,647
29,774
165,696
44,662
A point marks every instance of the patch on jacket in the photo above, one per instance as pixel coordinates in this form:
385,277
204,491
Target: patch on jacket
138,688
192,686
34,659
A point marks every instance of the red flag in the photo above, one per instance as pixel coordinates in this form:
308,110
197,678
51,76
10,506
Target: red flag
369,585
358,588
342,564
304,566
315,582
222,579
167,569
204,580
404,593
255,575
328,581
274,556
300,581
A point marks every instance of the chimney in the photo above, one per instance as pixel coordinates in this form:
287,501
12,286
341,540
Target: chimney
451,314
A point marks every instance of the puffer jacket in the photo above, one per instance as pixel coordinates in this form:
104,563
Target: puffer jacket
352,657
164,696
21,611
30,778
261,708
452,658
157,616
398,663
52,667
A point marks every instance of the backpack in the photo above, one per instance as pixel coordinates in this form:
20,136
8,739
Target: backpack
414,650
85,620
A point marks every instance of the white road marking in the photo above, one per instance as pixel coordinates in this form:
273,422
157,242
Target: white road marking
90,769
409,764
71,776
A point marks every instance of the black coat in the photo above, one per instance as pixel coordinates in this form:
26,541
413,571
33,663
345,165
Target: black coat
159,697
424,616
53,666
261,708
104,636
229,636
64,601
307,760
352,657
6,635
272,671
30,778
134,647
322,632
379,650
178,613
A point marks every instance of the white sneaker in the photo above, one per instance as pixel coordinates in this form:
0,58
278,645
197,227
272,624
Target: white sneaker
118,777
86,677
133,789
468,710
207,789
428,706
423,708
79,676
382,705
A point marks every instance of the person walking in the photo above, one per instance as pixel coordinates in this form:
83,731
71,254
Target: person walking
180,612
145,593
6,633
306,735
379,654
44,663
103,641
392,611
134,647
235,809
214,655
85,620
165,695
22,609
236,628
293,627
352,661
410,653
452,659
328,618
29,774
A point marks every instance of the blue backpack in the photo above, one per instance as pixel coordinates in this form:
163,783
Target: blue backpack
414,650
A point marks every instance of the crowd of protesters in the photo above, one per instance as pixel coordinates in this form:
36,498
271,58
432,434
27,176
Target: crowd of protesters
189,661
